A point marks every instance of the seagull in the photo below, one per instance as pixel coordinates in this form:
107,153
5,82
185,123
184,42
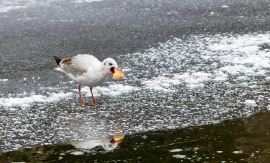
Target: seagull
87,70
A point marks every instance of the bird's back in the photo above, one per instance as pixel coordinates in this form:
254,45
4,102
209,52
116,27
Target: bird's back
85,61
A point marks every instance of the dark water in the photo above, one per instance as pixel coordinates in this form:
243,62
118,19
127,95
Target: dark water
197,81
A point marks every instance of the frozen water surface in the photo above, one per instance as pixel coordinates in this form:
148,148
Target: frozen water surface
183,82
196,87
7,5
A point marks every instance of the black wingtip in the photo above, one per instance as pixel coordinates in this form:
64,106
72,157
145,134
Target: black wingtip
58,60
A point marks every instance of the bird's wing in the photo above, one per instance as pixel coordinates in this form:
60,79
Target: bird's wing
69,67
79,64
85,61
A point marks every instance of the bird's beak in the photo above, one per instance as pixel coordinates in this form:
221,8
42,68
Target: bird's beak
112,70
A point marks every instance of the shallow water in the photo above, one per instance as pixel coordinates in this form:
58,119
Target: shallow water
238,140
178,78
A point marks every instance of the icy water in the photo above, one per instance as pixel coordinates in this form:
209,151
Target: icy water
196,87
238,140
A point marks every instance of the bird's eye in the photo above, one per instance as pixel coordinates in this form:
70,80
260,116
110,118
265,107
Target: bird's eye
110,64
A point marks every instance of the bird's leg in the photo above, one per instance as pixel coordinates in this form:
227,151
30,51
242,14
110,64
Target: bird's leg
81,101
94,101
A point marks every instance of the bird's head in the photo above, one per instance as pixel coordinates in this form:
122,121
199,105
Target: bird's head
110,65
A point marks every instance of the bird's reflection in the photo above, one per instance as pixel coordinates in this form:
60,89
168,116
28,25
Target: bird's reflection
107,144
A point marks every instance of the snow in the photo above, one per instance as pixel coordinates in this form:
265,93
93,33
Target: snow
176,150
26,102
249,102
179,156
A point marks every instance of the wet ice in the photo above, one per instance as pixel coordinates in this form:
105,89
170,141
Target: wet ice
183,82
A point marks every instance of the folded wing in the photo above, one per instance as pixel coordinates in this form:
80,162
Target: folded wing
79,64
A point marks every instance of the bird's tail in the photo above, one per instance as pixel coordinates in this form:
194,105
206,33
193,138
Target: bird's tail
59,69
58,60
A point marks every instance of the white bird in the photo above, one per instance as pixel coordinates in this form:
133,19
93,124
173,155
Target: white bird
87,70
